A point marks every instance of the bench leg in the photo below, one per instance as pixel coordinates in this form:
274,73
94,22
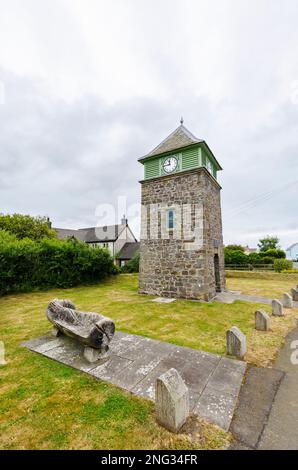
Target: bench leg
93,355
56,332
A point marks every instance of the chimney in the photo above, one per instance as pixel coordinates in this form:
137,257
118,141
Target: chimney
124,220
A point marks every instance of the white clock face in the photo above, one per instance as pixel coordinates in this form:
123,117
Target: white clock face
170,164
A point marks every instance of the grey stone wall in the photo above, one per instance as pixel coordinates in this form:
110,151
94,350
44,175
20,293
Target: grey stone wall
171,265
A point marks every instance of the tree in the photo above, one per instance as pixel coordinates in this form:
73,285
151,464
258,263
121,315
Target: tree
132,266
25,226
236,257
268,243
274,253
235,248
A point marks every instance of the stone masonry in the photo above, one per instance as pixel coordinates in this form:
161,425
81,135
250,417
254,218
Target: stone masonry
171,264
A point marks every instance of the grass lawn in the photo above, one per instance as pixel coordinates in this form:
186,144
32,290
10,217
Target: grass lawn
44,404
273,287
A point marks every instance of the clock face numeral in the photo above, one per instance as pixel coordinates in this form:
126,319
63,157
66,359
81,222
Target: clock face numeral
170,164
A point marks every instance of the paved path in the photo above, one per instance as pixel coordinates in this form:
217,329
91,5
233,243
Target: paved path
267,411
229,297
135,363
281,431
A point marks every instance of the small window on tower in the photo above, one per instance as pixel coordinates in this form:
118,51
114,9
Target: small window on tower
170,219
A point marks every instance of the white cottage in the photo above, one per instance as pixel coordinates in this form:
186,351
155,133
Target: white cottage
112,237
292,252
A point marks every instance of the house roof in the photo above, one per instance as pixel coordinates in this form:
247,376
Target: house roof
128,250
92,234
64,233
105,233
292,246
181,137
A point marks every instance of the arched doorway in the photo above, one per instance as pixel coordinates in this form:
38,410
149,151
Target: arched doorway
217,273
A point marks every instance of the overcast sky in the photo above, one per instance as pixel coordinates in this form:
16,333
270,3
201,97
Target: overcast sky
87,87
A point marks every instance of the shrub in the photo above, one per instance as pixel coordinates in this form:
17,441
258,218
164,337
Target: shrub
274,253
235,248
25,226
26,264
236,257
132,266
6,237
282,265
255,259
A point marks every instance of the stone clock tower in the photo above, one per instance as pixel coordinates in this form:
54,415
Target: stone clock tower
181,249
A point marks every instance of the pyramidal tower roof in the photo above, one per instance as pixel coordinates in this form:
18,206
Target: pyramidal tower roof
181,137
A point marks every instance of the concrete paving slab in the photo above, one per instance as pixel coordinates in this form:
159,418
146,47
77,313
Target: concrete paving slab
135,362
48,345
226,379
34,343
163,300
110,369
216,406
234,364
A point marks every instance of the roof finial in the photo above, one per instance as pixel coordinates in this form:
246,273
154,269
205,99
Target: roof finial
181,120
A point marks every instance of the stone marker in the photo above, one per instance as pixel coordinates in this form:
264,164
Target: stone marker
277,309
294,294
287,300
262,320
2,354
236,342
171,400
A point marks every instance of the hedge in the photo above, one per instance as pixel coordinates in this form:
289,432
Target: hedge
132,266
26,265
238,258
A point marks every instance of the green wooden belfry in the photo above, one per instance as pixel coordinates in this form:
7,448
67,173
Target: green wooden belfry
192,153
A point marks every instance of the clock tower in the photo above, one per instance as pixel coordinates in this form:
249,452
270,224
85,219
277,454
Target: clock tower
181,247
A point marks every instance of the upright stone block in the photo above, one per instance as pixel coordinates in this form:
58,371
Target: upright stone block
171,400
287,300
2,354
277,309
294,294
236,342
56,332
93,355
262,321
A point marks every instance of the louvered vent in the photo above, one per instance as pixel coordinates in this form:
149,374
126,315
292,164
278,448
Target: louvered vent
190,159
152,168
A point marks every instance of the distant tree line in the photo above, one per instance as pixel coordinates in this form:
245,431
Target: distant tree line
269,254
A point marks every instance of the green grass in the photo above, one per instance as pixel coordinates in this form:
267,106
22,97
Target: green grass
272,285
44,404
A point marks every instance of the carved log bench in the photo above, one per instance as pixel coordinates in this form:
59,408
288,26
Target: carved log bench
95,331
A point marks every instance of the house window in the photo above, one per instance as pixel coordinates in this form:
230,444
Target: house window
122,263
170,220
105,245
